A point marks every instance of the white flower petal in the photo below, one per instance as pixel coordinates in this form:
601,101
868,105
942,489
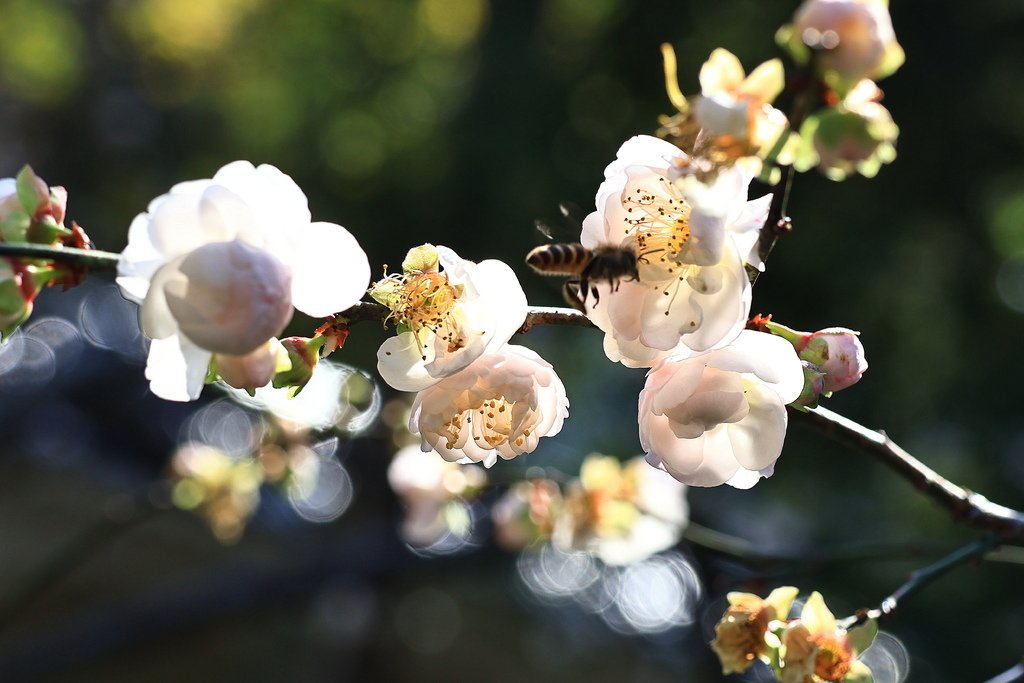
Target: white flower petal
176,368
330,271
402,363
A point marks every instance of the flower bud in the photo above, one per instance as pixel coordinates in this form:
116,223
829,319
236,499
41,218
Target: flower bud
851,40
835,351
255,369
302,355
858,135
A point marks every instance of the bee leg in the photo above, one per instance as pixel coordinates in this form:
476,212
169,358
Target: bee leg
572,293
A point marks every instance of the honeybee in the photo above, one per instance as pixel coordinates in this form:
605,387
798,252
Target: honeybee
583,265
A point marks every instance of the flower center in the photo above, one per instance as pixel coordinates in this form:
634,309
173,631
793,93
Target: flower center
491,423
426,301
660,221
832,661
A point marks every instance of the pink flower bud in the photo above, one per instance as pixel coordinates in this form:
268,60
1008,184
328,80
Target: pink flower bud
854,39
228,297
251,371
838,353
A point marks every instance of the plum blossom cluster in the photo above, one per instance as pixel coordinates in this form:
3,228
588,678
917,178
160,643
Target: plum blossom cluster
32,213
713,409
478,397
620,512
813,648
840,47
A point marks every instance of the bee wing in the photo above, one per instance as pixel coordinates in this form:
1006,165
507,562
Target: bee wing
573,214
544,229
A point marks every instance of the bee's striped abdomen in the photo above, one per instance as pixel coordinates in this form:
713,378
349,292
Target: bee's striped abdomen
567,258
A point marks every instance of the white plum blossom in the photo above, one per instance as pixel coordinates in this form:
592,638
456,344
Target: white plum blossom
720,417
691,242
450,310
218,264
500,405
735,110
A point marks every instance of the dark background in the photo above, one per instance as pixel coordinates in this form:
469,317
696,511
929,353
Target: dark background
459,122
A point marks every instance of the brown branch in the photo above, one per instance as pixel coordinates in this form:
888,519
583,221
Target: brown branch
922,577
964,505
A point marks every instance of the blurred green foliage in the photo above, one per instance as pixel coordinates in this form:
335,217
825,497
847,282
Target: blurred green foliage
461,121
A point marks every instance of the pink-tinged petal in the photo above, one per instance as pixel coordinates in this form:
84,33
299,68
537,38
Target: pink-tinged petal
233,299
757,438
718,398
330,271
225,214
401,362
744,479
155,316
251,371
718,465
680,456
176,368
683,378
667,316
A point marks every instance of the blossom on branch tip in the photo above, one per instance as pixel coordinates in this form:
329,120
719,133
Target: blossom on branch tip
815,649
500,405
834,351
743,632
849,40
217,265
720,417
731,121
449,312
691,241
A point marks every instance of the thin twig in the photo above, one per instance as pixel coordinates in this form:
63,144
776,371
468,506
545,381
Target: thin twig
93,259
971,508
742,549
922,577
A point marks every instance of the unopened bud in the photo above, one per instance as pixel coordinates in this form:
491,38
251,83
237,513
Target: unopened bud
255,369
835,351
851,40
858,135
303,355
